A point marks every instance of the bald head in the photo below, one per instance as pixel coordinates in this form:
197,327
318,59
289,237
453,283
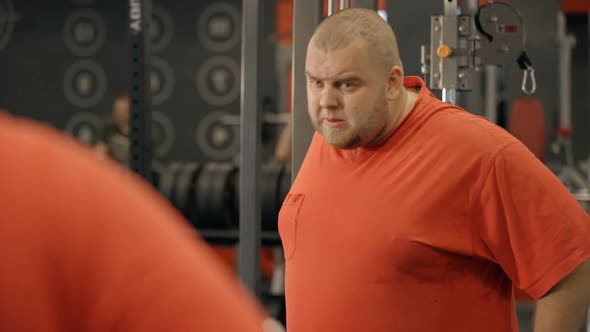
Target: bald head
356,26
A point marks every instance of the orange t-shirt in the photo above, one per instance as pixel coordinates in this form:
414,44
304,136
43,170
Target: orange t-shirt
86,246
427,232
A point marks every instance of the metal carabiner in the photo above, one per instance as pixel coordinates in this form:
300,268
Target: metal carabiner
526,72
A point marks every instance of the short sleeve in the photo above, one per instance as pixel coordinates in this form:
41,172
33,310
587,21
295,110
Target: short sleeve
530,224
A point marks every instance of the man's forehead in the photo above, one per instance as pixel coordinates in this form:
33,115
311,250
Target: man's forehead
350,59
354,48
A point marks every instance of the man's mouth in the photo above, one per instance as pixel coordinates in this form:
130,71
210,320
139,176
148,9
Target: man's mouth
334,122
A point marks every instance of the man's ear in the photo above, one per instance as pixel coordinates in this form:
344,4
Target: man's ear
395,83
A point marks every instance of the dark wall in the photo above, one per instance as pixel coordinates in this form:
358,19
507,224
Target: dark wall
64,63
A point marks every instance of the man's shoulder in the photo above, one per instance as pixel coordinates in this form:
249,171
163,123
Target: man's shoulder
43,151
462,128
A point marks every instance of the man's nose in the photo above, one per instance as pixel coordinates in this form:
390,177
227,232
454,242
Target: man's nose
329,98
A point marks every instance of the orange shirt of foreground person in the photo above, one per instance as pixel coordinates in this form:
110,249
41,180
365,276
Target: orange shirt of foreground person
87,246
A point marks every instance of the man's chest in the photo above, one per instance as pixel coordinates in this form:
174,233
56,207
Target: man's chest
372,227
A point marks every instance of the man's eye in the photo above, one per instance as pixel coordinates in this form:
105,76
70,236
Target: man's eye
347,85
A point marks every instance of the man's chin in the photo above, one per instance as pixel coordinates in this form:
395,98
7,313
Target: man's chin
341,144
337,138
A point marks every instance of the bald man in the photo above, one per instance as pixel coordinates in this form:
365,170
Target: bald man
410,214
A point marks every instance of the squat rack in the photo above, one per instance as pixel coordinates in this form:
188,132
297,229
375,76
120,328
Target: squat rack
139,21
307,14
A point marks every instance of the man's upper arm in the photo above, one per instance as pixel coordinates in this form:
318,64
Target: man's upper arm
531,224
576,283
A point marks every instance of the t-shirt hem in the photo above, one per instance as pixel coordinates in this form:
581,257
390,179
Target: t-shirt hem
557,272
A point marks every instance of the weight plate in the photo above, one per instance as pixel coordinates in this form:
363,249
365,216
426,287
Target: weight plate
270,175
168,178
214,196
184,188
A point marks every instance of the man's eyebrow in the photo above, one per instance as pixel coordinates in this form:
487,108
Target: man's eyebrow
348,76
310,75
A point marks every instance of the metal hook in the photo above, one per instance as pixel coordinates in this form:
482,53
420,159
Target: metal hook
528,71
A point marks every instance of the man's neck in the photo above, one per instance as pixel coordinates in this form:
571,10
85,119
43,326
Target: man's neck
406,103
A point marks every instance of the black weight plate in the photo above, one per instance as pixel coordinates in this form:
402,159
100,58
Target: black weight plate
213,197
184,187
234,196
157,170
269,189
167,179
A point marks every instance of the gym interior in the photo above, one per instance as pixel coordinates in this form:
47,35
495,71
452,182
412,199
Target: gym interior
196,96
